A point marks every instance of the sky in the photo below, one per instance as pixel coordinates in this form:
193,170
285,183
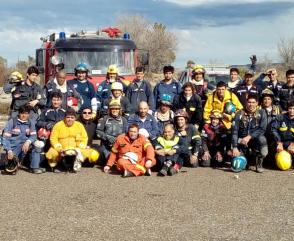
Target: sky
208,31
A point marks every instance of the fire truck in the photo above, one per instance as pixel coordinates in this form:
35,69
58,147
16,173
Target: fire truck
97,49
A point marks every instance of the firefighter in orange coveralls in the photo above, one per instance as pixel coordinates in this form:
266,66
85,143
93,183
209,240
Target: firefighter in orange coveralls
132,153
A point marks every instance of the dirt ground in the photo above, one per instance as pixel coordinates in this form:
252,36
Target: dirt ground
196,204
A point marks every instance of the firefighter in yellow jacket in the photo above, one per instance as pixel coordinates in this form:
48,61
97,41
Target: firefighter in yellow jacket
225,102
69,134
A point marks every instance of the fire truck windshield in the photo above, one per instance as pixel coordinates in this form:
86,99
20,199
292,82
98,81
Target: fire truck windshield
99,60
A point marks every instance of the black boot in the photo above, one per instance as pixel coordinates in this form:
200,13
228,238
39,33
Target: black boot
259,161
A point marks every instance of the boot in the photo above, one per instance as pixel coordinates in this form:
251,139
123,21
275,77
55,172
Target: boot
259,168
127,174
165,168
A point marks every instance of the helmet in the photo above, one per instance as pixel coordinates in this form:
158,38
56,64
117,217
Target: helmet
82,67
94,155
267,92
198,69
43,133
238,163
165,99
283,160
216,114
117,86
39,145
114,104
11,166
230,108
131,156
15,77
112,69
181,113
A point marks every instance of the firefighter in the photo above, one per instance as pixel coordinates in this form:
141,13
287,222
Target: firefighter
168,148
273,84
248,131
59,83
132,153
26,92
214,139
19,137
200,84
117,94
69,134
84,87
283,130
104,89
186,75
287,91
146,122
235,80
191,136
247,88
140,90
190,102
218,100
164,115
109,127
167,86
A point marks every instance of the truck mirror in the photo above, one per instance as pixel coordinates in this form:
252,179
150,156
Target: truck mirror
56,60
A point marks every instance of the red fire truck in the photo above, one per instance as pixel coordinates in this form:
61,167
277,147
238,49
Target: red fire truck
97,49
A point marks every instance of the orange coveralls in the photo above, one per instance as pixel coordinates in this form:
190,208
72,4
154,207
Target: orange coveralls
141,147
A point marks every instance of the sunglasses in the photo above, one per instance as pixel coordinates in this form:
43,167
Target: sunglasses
87,112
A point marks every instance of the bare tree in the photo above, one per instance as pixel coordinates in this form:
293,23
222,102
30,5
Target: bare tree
286,51
155,38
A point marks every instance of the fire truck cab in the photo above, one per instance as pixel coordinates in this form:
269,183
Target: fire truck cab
97,49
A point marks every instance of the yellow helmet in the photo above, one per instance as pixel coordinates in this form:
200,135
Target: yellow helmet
216,114
117,86
283,160
15,77
198,69
94,155
112,69
114,104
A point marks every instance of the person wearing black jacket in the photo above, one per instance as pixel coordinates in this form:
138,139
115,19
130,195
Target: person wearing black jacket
287,91
190,102
248,131
89,124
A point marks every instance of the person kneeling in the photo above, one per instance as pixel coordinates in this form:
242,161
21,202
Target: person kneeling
69,139
132,153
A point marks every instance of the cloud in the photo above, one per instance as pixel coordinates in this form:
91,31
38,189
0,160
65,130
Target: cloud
216,2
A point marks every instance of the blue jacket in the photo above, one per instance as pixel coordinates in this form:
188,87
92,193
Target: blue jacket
17,132
50,88
49,118
137,94
150,124
172,89
87,92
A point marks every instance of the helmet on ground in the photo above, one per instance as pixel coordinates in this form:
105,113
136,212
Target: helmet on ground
39,145
165,99
181,113
11,166
117,86
43,133
216,114
112,69
83,67
15,77
94,155
283,160
238,163
114,104
230,108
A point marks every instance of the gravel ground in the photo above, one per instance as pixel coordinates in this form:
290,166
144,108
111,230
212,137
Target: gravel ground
197,204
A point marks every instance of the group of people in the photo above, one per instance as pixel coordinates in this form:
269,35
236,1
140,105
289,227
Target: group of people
142,129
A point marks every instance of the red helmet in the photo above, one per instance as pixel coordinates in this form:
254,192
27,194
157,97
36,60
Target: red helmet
43,133
181,113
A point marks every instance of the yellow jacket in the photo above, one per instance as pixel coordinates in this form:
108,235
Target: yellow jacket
213,103
64,137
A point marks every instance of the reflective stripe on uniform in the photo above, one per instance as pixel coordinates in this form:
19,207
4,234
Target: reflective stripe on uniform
146,145
141,168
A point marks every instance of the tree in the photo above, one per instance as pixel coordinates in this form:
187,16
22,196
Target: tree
3,70
153,37
286,51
